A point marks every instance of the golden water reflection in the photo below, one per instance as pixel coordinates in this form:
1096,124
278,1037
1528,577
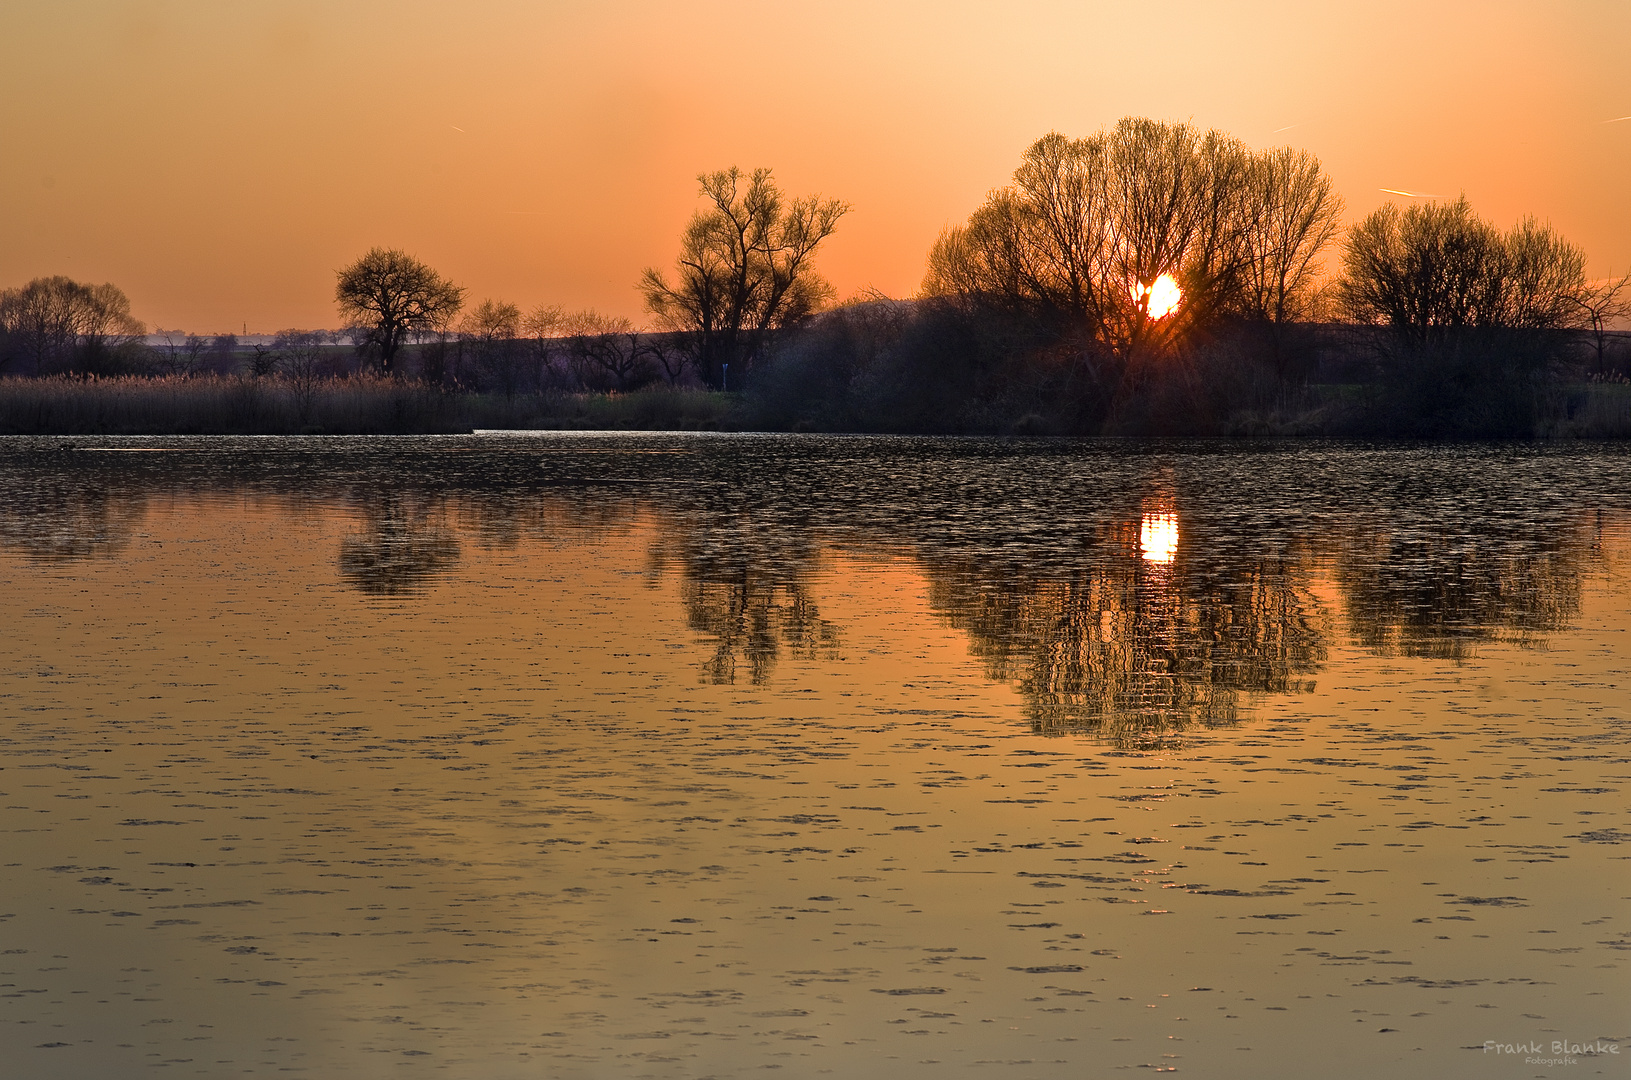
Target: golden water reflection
1158,537
1123,650
1165,618
56,520
1133,644
495,766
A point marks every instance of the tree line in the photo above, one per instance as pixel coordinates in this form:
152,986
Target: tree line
1114,275
55,323
743,273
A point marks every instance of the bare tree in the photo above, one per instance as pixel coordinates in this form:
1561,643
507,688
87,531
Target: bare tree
744,269
393,296
56,322
1431,271
1600,306
1294,215
543,328
169,349
181,353
492,330
1463,319
263,359
608,352
39,320
105,322
492,320
543,321
304,363
1543,280
670,354
1088,227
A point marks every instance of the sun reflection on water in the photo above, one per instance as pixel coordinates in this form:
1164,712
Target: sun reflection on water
1158,537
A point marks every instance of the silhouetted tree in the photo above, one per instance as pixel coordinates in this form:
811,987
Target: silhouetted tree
1599,307
392,295
544,330
1432,270
56,323
1464,318
1294,214
1089,225
263,360
743,269
492,330
180,353
607,352
670,354
303,361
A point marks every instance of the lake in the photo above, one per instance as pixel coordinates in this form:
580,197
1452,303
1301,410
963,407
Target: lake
667,755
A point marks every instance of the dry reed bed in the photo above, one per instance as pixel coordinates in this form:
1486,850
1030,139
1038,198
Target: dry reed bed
371,405
356,405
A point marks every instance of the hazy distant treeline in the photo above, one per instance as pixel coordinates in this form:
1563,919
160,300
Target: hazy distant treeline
59,327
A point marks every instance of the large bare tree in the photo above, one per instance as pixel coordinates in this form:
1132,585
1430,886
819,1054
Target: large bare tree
59,323
744,269
1089,225
1431,271
1599,307
1462,318
392,296
1294,215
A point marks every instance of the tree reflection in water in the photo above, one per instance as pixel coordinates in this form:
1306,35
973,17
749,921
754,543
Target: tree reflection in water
1133,621
1133,648
1144,637
1431,592
403,545
748,588
57,521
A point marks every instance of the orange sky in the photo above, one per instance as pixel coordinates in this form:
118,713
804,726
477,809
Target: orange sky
220,160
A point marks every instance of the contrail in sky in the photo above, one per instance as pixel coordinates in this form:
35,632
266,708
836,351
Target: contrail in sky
1617,119
1408,194
459,129
1288,127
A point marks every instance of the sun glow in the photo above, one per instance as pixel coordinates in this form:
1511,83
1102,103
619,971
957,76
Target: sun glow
1159,298
1158,537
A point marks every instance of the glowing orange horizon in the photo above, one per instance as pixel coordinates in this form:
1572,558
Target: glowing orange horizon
557,183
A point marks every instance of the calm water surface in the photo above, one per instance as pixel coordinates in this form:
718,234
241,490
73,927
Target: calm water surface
699,756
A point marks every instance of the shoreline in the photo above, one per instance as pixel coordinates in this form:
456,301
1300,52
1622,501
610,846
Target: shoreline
369,405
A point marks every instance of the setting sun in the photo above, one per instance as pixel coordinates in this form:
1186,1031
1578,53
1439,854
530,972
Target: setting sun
1161,298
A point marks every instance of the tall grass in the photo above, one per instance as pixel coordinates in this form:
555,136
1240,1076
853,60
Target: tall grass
370,405
354,405
1594,410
